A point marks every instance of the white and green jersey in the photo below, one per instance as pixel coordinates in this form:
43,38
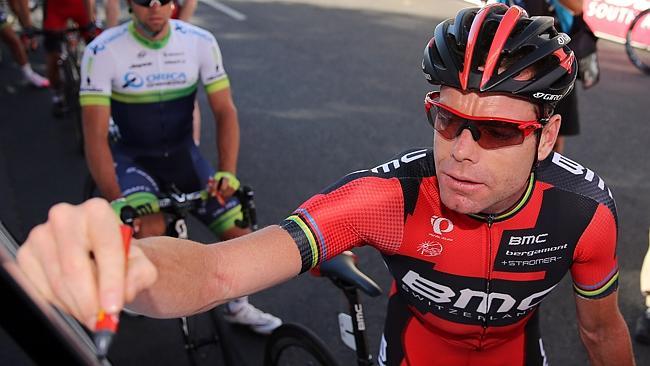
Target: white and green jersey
151,85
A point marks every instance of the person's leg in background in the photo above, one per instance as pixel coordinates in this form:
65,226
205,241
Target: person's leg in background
9,37
221,219
568,109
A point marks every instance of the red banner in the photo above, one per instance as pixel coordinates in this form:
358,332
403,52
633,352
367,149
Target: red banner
611,18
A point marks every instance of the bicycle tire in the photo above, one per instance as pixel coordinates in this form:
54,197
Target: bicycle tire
72,80
289,336
631,50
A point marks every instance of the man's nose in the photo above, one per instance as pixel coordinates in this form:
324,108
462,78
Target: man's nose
464,146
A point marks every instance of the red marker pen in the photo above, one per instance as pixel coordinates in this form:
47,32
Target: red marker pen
106,324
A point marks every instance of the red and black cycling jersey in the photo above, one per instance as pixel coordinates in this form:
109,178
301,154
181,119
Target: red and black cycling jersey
466,286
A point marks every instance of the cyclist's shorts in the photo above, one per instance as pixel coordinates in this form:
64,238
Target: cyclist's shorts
142,179
414,343
568,109
56,14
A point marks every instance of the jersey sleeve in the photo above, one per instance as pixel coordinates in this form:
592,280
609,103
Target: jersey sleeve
365,210
595,265
213,74
96,75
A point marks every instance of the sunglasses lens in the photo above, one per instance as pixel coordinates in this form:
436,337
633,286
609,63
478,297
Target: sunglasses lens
491,134
446,123
498,134
150,2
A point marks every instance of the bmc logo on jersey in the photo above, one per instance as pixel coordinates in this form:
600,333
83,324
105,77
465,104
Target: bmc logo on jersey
577,169
469,299
441,225
396,163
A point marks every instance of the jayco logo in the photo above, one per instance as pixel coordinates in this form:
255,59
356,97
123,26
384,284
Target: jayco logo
441,225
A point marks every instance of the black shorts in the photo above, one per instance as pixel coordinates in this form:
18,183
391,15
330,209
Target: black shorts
568,109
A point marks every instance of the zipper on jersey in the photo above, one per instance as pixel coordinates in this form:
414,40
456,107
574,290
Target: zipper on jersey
490,221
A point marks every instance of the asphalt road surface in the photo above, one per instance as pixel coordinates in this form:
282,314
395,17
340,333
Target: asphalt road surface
325,87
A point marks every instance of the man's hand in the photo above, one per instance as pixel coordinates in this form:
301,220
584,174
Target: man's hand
223,186
76,261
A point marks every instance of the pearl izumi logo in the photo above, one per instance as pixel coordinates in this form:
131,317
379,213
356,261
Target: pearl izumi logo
441,225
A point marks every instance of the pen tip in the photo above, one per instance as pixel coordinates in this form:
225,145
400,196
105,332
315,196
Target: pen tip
102,342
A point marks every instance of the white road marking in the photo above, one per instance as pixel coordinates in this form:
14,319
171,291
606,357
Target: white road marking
214,4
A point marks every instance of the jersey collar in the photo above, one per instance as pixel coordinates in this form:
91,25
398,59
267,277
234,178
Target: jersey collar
155,45
510,212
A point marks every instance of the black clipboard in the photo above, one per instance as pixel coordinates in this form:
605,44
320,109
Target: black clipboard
47,335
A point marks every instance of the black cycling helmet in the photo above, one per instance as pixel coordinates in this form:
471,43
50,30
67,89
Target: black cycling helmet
485,49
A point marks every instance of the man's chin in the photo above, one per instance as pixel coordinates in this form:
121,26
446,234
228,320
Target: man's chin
461,204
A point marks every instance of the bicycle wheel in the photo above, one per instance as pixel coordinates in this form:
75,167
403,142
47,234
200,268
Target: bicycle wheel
72,80
637,41
295,345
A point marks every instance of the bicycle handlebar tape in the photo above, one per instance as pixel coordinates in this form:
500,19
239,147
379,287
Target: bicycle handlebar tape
106,324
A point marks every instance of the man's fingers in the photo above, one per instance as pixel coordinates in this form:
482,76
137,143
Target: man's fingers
73,251
42,241
109,253
34,273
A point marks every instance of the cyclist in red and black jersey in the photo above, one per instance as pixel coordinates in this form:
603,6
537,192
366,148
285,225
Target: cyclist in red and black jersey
476,231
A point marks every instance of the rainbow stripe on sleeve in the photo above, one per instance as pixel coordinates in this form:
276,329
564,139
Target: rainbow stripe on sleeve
601,289
310,241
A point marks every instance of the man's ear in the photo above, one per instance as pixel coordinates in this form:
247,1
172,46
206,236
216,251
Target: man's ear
548,137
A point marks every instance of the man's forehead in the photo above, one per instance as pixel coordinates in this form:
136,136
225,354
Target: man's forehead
473,100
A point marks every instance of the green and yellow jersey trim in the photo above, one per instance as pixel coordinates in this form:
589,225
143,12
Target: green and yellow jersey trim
154,96
154,45
218,85
94,99
522,202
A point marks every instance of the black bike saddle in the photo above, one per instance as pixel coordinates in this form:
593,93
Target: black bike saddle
343,268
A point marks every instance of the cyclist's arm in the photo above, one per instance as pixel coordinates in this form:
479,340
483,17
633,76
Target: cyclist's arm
595,276
97,68
76,261
225,115
603,331
217,86
187,10
98,153
210,275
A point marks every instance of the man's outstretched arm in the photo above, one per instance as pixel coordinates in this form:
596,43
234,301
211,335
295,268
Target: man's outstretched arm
76,261
603,331
194,277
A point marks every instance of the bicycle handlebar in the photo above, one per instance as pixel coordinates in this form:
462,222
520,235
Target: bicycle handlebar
180,203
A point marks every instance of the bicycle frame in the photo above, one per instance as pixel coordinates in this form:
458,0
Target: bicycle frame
364,358
344,274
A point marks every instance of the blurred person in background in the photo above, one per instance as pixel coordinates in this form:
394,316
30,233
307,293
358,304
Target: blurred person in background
10,38
568,19
183,10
